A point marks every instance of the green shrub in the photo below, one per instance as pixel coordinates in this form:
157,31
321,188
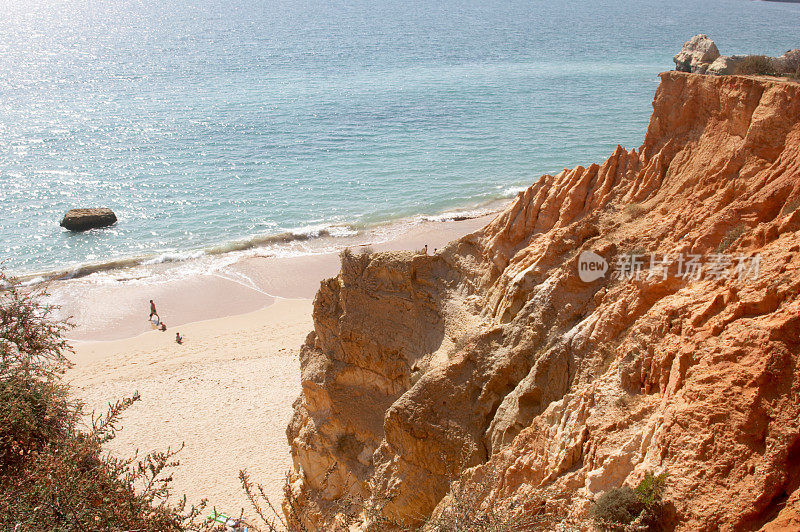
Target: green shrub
651,491
32,413
756,65
622,506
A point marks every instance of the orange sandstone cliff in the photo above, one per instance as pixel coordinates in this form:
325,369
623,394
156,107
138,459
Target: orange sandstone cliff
492,369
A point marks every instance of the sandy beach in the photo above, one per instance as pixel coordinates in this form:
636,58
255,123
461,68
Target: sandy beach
226,393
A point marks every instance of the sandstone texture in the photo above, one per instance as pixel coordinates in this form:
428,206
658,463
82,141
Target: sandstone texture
84,219
700,55
491,368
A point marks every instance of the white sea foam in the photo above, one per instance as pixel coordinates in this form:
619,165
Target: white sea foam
174,256
320,230
34,281
312,239
511,192
455,216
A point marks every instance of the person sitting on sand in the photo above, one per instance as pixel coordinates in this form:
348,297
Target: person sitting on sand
425,249
178,338
163,326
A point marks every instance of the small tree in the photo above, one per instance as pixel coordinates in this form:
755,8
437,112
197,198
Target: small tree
31,341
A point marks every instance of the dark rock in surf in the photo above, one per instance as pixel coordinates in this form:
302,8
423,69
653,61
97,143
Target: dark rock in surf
83,219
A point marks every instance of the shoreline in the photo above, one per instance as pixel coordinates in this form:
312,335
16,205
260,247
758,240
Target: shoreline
113,305
290,240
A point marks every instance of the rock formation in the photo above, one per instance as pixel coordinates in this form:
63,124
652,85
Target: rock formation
700,55
492,364
84,219
696,55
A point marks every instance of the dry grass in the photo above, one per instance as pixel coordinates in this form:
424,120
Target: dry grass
730,237
790,206
634,210
756,65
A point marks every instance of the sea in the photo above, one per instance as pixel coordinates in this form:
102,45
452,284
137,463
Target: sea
218,126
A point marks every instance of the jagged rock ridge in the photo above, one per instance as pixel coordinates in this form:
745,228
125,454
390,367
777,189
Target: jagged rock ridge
492,362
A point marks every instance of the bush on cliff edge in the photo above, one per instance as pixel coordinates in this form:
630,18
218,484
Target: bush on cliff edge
756,65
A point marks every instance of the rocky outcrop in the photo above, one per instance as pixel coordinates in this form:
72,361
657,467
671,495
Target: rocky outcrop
84,219
492,364
724,65
696,55
700,55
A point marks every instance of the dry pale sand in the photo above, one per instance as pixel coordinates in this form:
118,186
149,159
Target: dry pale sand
226,393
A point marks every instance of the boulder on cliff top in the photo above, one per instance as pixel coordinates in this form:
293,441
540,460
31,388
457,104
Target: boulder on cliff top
697,53
83,219
725,65
700,55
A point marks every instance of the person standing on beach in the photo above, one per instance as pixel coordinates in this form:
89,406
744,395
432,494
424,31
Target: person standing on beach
153,311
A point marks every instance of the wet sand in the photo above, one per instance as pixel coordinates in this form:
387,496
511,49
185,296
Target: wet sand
114,306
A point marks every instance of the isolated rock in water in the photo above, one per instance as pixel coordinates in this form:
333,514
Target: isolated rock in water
83,219
697,53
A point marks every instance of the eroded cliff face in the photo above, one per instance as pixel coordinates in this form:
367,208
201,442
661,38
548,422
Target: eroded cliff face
492,363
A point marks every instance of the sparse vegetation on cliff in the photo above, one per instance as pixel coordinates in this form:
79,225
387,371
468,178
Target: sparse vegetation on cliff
634,509
756,65
730,237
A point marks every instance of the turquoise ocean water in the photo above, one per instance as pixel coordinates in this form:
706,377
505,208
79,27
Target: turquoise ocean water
204,123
